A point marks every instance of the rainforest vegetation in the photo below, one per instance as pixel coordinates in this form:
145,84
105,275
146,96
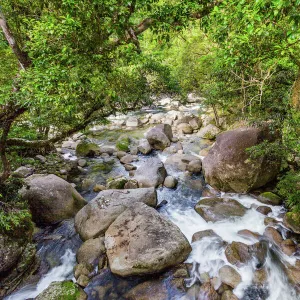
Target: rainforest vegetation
65,65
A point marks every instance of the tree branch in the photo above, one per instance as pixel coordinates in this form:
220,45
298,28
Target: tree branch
22,57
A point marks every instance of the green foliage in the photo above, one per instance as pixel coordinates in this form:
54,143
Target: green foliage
123,143
289,188
15,218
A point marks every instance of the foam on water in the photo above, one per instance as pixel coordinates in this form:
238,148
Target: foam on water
208,255
59,273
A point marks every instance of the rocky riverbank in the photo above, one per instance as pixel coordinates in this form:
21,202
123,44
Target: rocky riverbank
139,202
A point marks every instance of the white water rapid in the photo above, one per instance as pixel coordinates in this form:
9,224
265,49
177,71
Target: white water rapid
62,272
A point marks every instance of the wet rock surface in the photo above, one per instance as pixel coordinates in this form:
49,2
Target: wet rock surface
217,209
151,173
51,199
228,167
93,220
141,241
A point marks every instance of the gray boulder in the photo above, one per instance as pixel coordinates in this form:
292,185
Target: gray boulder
141,241
22,172
185,128
180,161
93,219
160,136
151,173
217,209
170,182
144,146
209,132
51,199
195,166
90,251
230,276
228,167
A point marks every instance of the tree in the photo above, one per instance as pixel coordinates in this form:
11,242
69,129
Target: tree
80,61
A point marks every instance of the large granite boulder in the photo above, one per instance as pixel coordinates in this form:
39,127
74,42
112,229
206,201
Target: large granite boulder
151,173
93,219
218,209
51,199
160,136
228,167
141,241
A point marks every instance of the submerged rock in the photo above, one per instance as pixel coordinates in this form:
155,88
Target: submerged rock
151,173
62,290
50,198
218,209
93,219
228,166
141,241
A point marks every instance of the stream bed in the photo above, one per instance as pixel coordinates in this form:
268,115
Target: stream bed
57,246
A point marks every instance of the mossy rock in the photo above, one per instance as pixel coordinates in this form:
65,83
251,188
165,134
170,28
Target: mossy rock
292,221
86,148
269,198
116,183
105,167
64,290
123,143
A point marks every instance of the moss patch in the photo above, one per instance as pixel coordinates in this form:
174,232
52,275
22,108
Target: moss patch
270,198
105,167
292,221
123,143
65,290
86,148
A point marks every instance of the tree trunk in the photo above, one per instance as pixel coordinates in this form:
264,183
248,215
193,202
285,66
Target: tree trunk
216,115
5,162
296,93
24,61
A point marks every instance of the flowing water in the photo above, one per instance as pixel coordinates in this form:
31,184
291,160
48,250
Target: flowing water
208,254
